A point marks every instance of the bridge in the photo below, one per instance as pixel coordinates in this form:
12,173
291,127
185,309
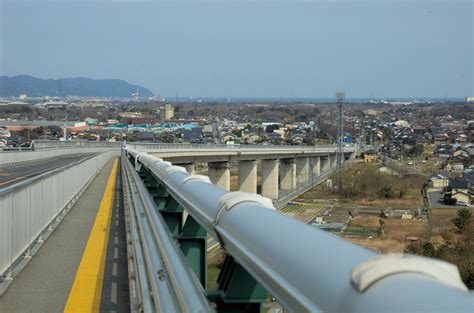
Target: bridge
88,226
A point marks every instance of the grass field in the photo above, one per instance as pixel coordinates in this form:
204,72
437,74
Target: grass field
212,274
303,211
294,208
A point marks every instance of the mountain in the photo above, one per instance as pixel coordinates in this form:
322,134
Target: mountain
80,86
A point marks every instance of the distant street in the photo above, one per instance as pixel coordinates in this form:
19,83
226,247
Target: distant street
10,175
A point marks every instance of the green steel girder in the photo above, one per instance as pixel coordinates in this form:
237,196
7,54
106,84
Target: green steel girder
193,243
237,290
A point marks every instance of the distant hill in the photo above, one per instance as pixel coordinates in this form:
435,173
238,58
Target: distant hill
80,86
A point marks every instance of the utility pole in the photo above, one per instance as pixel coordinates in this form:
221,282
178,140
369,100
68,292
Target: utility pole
340,99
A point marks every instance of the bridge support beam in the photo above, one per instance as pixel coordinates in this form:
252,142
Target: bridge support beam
219,174
316,166
270,179
288,174
302,166
248,176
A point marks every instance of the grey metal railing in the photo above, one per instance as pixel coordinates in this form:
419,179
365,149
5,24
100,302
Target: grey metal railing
30,209
48,144
174,287
306,269
142,146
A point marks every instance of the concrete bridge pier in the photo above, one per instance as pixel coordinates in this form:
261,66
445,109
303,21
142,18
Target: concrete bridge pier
288,174
219,174
270,179
247,176
324,164
302,166
332,160
316,166
190,167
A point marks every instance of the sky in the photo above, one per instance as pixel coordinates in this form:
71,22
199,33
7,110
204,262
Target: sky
380,49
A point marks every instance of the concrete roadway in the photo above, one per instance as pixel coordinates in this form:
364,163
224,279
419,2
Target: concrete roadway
10,175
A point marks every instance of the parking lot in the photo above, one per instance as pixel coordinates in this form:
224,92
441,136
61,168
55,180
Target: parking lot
434,197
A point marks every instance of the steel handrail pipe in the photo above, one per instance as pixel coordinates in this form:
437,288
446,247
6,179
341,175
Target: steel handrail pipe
164,297
189,292
306,269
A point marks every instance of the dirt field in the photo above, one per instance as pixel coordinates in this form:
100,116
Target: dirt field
397,230
379,245
440,220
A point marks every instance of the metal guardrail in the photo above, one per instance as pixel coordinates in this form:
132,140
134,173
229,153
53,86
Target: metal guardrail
15,157
16,149
306,269
167,146
43,144
47,144
174,287
30,209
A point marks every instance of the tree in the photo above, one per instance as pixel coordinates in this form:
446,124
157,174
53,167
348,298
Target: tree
270,128
381,228
449,200
462,220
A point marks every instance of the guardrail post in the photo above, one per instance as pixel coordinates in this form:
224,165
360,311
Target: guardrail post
237,290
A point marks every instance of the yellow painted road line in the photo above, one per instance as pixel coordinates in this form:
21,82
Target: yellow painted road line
86,290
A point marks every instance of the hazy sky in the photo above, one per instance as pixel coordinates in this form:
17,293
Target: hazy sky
248,48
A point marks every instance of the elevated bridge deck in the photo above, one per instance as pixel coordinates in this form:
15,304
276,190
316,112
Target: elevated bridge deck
136,237
79,268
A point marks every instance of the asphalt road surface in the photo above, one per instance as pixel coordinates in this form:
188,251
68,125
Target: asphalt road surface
10,175
434,197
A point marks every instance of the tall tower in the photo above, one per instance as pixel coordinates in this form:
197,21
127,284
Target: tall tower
340,99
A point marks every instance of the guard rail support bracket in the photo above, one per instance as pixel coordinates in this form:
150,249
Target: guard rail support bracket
369,272
171,211
237,290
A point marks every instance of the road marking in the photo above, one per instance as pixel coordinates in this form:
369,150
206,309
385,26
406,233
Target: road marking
86,290
113,293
